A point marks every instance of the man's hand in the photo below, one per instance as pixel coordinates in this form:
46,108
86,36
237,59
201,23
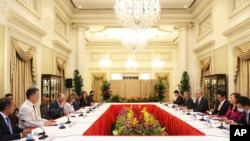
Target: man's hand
49,123
25,132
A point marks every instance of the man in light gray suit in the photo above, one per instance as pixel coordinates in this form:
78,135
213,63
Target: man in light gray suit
28,113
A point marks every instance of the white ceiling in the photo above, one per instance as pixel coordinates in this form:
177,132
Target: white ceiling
108,4
99,34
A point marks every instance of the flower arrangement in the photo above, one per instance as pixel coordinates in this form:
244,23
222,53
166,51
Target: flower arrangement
137,121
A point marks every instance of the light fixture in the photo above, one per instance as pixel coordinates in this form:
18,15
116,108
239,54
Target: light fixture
105,63
131,64
137,14
157,64
135,40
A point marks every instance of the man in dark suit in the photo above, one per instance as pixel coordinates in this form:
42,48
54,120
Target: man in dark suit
56,107
221,105
179,98
188,101
9,131
243,104
201,103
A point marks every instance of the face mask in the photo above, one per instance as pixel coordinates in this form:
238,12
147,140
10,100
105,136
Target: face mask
240,109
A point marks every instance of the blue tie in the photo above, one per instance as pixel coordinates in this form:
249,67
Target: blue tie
9,125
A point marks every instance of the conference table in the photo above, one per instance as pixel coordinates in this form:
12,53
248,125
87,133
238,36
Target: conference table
96,125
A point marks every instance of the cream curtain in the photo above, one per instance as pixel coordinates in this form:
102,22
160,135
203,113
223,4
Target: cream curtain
206,68
61,64
97,83
23,69
242,69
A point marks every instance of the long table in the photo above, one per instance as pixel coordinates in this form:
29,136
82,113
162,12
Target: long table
96,125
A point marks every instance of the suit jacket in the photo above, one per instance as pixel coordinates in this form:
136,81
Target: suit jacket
76,105
202,106
85,102
27,113
55,111
223,109
178,100
5,133
188,102
243,119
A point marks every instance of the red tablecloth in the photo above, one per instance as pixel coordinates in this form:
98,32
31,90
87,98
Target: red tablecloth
173,125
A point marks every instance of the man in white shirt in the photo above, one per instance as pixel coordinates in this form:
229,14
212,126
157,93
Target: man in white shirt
28,115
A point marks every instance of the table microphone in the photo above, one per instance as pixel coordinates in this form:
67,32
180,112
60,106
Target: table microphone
42,133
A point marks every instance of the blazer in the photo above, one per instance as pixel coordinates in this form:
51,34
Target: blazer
243,119
178,100
27,113
55,111
202,106
234,115
223,109
189,103
85,102
5,133
76,105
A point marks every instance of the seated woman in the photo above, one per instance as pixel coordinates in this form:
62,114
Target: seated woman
76,101
68,107
233,114
84,100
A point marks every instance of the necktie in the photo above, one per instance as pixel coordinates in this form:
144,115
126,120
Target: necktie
247,117
34,110
9,125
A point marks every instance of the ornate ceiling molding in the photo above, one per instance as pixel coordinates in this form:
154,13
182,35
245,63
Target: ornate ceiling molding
206,46
239,33
21,22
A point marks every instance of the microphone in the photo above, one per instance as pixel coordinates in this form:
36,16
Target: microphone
68,122
42,133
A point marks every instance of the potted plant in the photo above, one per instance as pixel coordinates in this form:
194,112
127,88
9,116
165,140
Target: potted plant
160,90
78,82
184,83
105,90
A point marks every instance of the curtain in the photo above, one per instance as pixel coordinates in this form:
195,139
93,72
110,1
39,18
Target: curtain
205,67
61,64
242,69
97,83
23,70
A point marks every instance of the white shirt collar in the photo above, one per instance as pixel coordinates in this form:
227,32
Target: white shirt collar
29,103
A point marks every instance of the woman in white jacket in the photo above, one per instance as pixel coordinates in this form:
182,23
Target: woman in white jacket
68,107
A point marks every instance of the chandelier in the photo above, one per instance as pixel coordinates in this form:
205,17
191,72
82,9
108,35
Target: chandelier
135,40
157,64
137,14
105,63
131,64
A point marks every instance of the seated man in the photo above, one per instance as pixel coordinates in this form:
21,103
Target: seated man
221,106
201,103
56,107
179,98
188,101
28,115
9,131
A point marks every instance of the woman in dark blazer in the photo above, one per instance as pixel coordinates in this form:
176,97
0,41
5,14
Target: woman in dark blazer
84,100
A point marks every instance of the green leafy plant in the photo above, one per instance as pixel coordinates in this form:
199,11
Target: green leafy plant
184,83
160,90
78,82
115,98
105,90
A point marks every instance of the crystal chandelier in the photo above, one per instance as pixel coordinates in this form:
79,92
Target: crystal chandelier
105,63
137,14
157,64
135,40
131,64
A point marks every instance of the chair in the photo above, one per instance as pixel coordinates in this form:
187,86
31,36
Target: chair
44,110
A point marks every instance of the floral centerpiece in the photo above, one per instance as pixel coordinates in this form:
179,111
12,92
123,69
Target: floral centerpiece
137,121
